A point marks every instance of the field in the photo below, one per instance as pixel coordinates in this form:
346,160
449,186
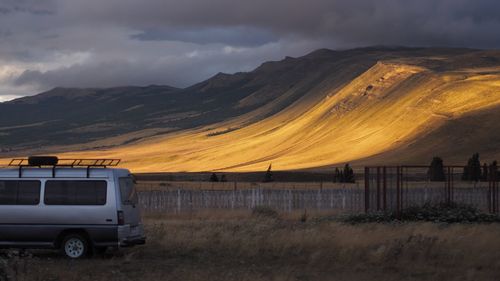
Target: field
240,246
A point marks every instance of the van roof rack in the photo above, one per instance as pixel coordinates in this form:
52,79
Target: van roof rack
65,163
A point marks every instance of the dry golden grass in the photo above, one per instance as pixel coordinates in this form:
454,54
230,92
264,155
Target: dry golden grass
237,246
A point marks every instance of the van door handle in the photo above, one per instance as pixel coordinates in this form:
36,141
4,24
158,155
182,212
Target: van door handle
109,220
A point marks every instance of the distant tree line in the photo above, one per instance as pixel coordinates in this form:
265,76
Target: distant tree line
215,178
473,171
345,175
268,176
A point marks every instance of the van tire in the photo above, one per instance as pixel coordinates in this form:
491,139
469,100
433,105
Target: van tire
75,246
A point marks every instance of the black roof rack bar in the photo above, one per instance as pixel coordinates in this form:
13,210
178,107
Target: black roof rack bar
67,163
98,162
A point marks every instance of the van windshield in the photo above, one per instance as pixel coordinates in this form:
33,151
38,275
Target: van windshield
127,190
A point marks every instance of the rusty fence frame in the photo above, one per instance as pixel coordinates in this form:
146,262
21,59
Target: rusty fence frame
449,186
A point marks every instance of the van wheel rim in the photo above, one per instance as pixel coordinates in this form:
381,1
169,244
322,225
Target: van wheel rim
74,248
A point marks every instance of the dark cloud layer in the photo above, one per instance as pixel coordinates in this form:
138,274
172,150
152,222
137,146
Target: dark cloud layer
233,36
95,43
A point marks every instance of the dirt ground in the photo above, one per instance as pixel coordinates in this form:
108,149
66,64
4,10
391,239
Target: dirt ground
245,247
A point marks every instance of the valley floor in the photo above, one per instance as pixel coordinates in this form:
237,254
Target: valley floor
238,246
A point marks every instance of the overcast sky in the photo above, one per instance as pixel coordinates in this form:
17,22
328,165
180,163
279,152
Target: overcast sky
103,43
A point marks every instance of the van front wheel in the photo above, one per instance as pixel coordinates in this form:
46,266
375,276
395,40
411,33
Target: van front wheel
75,246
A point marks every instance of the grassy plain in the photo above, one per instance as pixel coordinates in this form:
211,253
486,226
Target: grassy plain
241,246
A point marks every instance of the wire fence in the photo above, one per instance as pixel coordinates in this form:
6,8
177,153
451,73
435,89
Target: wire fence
384,188
286,200
205,185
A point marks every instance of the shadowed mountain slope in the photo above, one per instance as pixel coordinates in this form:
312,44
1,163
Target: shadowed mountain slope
65,116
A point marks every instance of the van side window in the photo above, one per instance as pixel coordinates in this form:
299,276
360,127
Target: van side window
14,192
72,192
127,191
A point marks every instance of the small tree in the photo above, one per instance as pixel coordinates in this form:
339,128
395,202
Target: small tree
346,175
472,172
349,174
466,173
223,178
336,175
436,170
214,178
494,168
476,168
268,177
484,176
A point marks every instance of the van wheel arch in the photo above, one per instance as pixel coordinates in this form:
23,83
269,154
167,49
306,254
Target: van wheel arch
66,232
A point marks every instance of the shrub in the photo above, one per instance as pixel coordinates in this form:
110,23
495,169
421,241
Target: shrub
214,178
441,213
264,211
304,216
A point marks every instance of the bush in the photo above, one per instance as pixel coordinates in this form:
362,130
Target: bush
440,213
214,178
264,211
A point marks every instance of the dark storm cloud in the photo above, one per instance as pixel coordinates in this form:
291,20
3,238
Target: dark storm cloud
27,6
427,22
99,43
234,36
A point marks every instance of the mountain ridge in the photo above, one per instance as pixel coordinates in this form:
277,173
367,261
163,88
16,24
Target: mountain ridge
324,108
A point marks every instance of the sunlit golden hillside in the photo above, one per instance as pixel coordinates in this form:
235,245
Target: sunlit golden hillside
392,108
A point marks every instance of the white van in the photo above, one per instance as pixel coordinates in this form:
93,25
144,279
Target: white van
80,206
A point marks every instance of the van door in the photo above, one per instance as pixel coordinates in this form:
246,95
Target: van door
129,201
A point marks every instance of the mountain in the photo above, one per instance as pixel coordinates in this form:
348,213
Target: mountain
368,105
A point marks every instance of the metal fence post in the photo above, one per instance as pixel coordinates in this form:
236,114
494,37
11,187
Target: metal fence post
448,191
452,185
378,188
178,201
367,189
384,189
398,191
495,187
